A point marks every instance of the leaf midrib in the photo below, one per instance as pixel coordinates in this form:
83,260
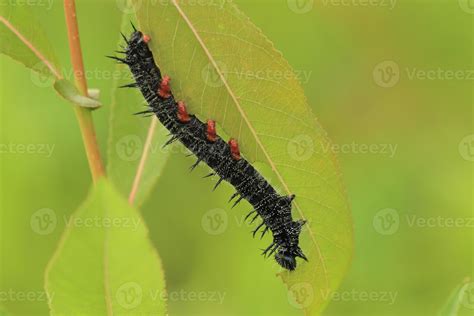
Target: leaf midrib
30,45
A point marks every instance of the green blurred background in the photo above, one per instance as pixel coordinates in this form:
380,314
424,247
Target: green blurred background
375,73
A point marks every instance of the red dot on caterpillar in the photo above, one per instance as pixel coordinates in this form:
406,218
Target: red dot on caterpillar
146,38
211,131
234,149
164,90
183,115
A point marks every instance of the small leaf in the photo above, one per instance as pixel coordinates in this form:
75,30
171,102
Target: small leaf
24,40
455,300
135,155
105,263
69,92
94,94
227,70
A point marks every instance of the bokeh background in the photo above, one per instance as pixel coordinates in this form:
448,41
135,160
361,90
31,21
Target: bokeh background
392,83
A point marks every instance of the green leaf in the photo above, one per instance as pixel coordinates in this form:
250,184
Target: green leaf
105,263
24,40
455,300
69,92
227,70
135,155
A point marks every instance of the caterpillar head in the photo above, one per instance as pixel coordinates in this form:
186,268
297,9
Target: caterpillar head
138,43
287,253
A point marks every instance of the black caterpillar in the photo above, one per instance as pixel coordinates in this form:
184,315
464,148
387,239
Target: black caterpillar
224,158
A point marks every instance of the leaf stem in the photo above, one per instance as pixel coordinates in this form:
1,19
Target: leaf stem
83,115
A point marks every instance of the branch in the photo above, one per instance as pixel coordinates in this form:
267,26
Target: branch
83,115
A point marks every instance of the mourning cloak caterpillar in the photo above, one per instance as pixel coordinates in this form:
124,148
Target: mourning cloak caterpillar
222,157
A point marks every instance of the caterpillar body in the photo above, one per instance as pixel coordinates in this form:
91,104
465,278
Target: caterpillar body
222,157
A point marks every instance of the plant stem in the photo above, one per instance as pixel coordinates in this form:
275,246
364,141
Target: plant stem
83,115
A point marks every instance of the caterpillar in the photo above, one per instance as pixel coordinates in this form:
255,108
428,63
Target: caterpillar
224,158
